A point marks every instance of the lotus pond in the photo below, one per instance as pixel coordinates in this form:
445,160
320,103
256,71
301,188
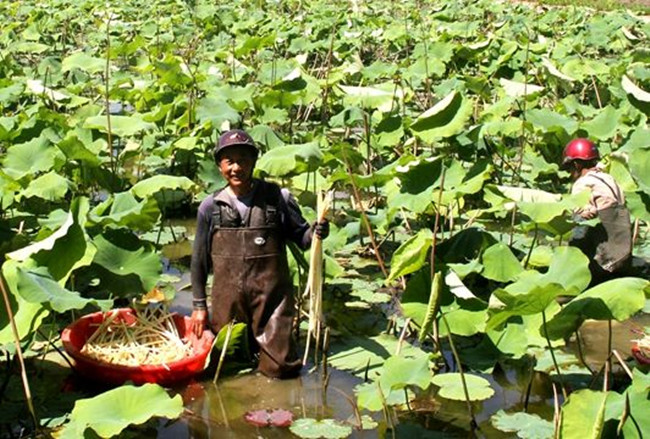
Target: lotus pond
453,306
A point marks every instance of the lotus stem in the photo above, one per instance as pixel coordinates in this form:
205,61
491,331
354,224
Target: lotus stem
532,246
581,354
622,363
19,353
609,345
470,409
550,347
107,92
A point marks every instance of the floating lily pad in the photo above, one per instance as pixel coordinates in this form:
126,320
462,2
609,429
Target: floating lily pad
451,387
309,428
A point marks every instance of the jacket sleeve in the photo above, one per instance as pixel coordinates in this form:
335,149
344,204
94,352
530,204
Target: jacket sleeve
200,265
295,225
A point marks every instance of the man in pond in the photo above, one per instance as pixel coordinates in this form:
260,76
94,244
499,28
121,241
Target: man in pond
608,244
241,235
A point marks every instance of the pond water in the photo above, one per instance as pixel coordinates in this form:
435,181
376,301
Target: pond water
217,411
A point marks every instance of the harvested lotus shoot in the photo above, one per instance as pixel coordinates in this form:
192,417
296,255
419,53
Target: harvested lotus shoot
151,338
314,287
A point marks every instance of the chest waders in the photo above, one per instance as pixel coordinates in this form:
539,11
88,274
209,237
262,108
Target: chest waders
608,245
252,283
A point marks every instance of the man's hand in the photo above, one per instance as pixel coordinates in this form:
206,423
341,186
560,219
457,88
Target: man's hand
198,320
322,229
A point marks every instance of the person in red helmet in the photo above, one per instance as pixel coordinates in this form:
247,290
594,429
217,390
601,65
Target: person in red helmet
608,244
241,236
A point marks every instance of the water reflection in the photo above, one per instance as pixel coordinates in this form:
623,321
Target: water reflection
217,411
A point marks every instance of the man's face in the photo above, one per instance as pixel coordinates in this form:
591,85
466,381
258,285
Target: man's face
236,164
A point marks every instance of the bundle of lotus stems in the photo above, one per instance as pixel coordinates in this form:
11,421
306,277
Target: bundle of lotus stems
314,287
152,338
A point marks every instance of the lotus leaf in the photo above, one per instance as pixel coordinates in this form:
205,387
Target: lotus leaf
27,315
308,428
291,159
123,126
30,158
526,425
583,414
142,264
411,255
150,186
83,61
111,412
37,286
451,386
616,299
50,187
500,264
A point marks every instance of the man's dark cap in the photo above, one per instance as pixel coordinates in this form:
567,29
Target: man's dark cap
234,138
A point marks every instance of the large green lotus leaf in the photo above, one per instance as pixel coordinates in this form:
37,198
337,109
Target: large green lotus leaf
122,262
111,412
357,354
370,97
518,89
424,68
291,159
308,428
37,286
451,386
445,119
536,300
36,87
526,425
50,187
152,185
637,140
639,164
500,264
264,135
634,90
605,125
122,126
124,210
465,317
527,195
617,299
545,362
399,372
29,158
83,61
29,47
637,393
582,68
66,249
554,71
369,397
75,149
396,374
550,121
411,255
28,316
570,268
72,249
583,414
460,181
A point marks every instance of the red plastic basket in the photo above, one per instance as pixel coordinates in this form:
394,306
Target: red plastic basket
76,334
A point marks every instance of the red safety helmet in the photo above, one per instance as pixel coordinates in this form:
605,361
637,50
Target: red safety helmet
234,138
580,149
